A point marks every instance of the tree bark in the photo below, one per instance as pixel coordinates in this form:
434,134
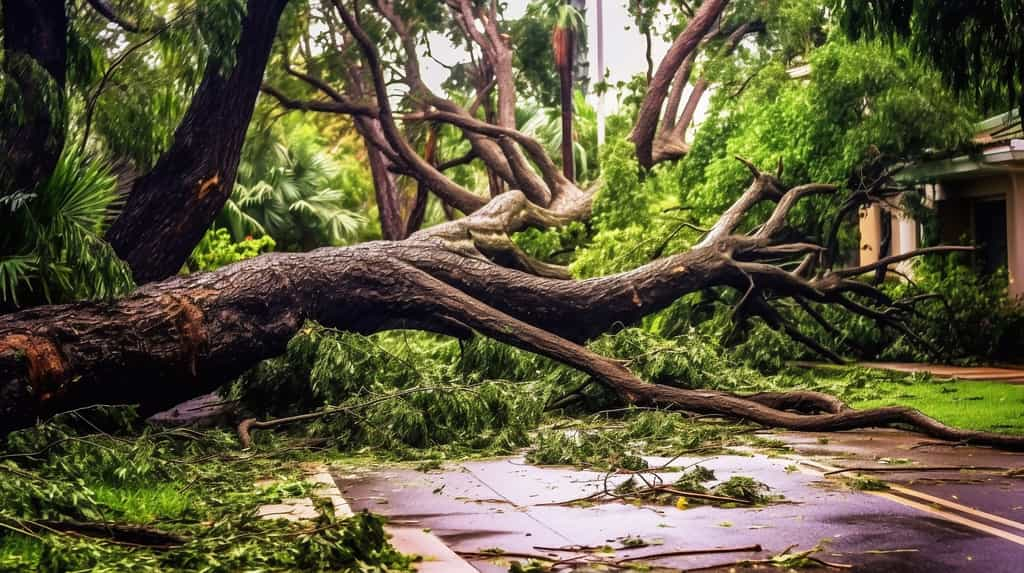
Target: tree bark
170,208
684,44
385,187
33,103
565,94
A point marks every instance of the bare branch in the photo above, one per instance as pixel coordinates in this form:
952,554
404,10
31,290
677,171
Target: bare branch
340,106
684,44
886,261
777,220
449,191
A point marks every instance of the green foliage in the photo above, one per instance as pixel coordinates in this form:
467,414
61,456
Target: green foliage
179,481
53,250
220,24
624,198
216,249
688,361
973,318
693,480
862,101
977,45
745,488
968,318
550,244
406,390
533,57
865,483
293,190
596,450
602,443
140,85
544,125
633,218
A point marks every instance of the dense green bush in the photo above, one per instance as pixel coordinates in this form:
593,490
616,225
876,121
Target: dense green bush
217,249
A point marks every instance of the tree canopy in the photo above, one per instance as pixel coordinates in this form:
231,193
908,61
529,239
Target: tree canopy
977,46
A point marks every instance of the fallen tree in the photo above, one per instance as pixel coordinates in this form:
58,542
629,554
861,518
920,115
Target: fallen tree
185,336
181,337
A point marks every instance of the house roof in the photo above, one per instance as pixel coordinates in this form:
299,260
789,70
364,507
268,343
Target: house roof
1002,127
1002,150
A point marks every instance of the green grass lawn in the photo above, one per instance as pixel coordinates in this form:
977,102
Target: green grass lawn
993,406
977,405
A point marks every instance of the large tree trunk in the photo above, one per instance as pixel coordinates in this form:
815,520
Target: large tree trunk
170,208
32,98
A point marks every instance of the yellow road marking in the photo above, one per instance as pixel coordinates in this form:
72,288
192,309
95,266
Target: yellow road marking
951,517
958,507
939,501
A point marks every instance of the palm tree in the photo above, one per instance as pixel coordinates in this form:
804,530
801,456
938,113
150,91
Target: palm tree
288,193
52,249
568,23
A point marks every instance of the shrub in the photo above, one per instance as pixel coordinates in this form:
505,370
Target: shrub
217,249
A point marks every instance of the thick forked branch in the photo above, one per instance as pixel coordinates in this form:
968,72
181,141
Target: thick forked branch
556,182
170,208
340,106
684,44
670,141
486,149
449,191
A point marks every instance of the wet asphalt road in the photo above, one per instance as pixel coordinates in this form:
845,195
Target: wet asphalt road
480,505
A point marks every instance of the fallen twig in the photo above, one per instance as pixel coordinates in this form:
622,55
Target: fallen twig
915,469
683,552
586,555
121,534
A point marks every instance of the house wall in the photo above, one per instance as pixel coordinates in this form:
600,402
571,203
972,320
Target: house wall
870,227
956,214
955,211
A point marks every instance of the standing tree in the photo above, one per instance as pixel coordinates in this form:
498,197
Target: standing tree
170,207
568,24
187,335
32,100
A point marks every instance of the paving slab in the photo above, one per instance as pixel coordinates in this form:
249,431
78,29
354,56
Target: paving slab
480,505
